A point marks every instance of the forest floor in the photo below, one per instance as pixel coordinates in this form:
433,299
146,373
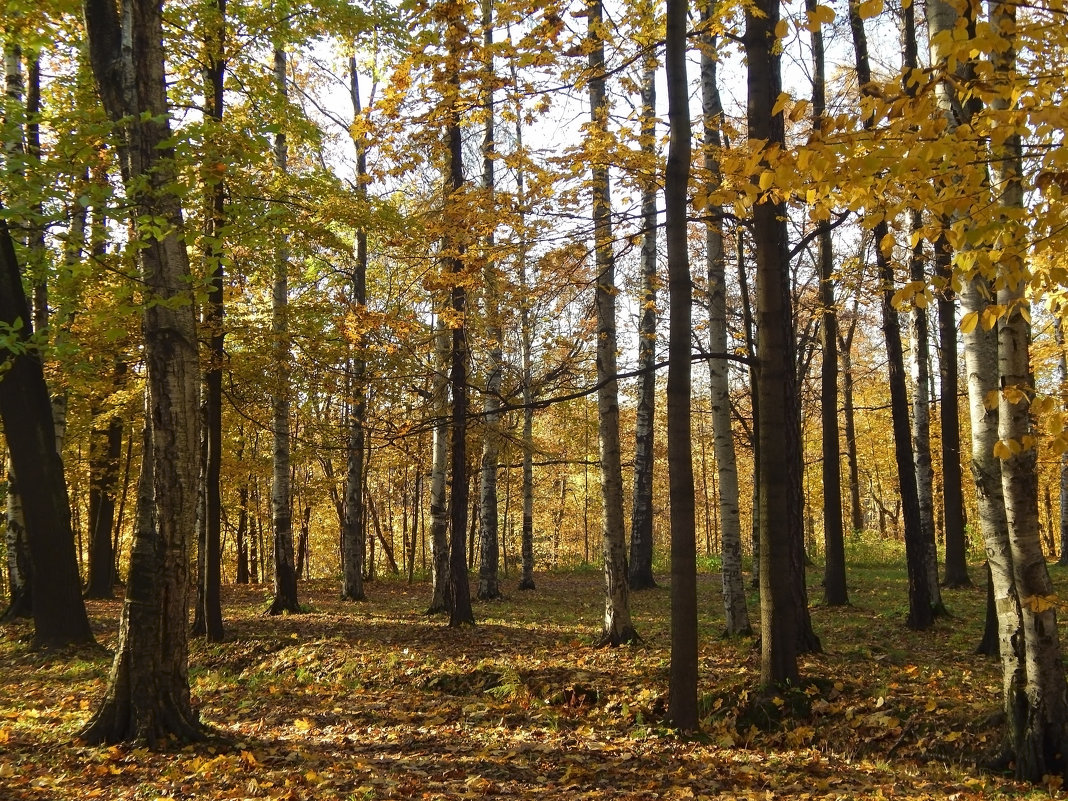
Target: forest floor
375,700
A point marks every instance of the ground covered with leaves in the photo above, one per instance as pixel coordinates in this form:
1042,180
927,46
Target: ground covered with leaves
375,700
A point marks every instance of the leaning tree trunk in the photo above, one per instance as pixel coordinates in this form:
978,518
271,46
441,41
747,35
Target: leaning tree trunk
59,614
775,389
618,628
285,569
641,521
735,611
682,689
147,698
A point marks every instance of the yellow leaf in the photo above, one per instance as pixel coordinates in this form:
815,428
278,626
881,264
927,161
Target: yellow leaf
780,103
820,15
968,322
1002,450
1040,603
869,8
302,724
887,244
782,27
767,180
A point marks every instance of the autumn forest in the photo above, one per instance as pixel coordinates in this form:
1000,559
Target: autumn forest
445,398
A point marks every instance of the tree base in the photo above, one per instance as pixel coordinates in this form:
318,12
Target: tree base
526,584
628,635
284,606
642,581
489,591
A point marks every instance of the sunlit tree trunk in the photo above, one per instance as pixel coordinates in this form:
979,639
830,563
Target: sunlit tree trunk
920,614
1036,692
618,627
682,691
734,607
285,570
147,697
775,387
641,521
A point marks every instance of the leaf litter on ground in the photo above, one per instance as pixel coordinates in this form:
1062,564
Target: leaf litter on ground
375,700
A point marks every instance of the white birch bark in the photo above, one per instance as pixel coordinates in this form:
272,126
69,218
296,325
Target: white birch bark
733,583
285,574
618,627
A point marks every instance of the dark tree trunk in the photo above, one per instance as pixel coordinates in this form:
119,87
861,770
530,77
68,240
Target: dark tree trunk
103,487
285,568
460,612
641,525
215,194
835,592
353,549
990,645
58,610
682,688
956,570
921,614
775,365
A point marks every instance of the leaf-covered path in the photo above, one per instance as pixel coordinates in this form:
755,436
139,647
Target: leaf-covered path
376,701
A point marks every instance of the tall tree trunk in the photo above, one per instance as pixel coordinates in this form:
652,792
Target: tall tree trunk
148,690
488,583
526,335
682,688
58,610
1037,689
920,614
920,353
210,589
734,607
460,612
641,521
618,627
775,387
352,539
285,573
835,590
